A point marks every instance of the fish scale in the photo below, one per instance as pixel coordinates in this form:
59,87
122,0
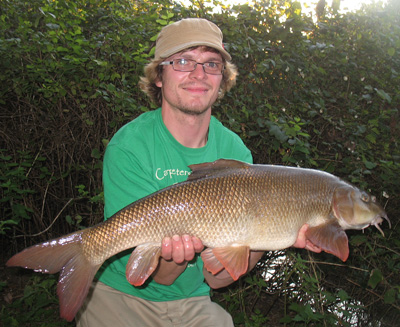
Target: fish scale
231,206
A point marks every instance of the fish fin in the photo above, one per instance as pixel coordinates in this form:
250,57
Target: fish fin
73,286
142,263
211,263
63,254
47,257
209,169
235,259
342,204
331,238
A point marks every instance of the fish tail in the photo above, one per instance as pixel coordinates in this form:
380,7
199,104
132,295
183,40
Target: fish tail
62,255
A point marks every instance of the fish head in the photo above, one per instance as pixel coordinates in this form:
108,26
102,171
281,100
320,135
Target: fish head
356,209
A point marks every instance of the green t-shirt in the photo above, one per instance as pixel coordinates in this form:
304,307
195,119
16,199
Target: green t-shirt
142,158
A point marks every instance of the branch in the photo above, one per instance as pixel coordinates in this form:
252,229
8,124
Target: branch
52,223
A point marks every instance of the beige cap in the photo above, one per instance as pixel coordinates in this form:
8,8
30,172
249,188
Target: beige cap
187,33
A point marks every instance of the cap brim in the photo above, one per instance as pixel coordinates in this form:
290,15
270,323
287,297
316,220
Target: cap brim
184,46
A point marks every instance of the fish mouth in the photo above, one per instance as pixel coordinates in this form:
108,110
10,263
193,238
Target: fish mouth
378,220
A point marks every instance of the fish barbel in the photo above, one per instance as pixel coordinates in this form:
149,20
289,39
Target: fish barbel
233,207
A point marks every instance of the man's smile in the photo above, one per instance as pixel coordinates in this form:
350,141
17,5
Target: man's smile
196,89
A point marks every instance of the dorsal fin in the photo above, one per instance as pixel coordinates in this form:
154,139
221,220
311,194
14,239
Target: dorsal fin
209,169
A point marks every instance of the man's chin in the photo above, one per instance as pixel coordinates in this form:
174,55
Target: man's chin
194,111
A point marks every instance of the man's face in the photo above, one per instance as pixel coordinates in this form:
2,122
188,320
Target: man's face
190,92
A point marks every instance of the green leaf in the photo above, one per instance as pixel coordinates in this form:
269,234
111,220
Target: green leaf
53,26
101,62
342,294
369,165
68,219
277,132
285,320
357,240
383,95
375,278
96,154
390,296
162,22
154,37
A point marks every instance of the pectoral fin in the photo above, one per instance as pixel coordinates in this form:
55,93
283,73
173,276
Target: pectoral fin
211,263
234,258
331,238
142,263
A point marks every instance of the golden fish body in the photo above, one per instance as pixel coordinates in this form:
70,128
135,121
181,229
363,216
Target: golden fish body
231,206
262,206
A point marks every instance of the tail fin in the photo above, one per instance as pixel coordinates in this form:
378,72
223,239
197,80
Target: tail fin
63,254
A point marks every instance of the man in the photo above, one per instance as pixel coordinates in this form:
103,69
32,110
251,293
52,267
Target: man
190,71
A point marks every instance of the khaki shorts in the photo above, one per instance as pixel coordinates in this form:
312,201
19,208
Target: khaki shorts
108,307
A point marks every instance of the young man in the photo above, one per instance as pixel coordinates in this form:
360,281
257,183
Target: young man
189,72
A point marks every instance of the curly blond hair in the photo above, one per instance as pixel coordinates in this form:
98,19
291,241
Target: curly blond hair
153,73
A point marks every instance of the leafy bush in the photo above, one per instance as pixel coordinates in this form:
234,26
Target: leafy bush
314,94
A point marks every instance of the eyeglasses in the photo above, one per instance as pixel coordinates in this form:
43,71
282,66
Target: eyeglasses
189,65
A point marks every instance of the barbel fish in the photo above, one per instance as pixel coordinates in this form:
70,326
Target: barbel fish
233,207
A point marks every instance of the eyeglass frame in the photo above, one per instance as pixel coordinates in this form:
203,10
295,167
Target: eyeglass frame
171,62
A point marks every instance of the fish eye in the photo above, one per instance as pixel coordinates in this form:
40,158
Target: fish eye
365,197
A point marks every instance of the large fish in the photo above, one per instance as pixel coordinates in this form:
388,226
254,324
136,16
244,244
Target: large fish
233,207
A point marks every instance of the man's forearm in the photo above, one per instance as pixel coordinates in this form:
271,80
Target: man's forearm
168,271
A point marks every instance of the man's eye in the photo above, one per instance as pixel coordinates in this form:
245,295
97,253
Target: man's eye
212,64
182,62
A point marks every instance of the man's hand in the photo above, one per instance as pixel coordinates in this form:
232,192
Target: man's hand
303,243
180,248
176,252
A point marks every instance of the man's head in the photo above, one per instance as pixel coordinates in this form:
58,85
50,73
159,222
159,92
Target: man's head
181,36
189,33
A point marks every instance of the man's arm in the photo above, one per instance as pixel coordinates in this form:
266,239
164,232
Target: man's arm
177,251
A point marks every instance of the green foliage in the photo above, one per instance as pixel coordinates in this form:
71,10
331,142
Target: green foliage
13,177
35,307
321,94
236,301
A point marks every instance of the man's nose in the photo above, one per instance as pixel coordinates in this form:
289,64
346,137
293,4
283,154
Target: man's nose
199,71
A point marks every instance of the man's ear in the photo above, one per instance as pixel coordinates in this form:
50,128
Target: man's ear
158,82
158,79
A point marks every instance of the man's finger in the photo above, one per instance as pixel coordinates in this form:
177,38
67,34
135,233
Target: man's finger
188,247
178,251
197,244
166,248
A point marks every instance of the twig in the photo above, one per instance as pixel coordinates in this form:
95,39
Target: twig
372,292
44,231
386,248
34,160
45,196
336,264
